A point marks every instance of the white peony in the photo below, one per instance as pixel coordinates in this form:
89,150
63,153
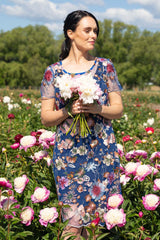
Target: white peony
26,215
46,135
115,200
27,140
142,170
47,214
126,117
150,121
130,167
6,99
65,84
152,200
39,193
120,147
19,182
10,106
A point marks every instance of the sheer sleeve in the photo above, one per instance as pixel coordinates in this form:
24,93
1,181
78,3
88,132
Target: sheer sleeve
112,79
47,85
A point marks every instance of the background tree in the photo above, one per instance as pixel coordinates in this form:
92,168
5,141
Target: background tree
26,52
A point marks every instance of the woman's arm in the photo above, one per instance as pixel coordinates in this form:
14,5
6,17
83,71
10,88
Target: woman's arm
114,111
50,117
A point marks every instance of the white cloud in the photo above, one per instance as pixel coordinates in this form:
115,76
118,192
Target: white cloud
52,14
139,17
55,27
151,5
93,2
40,10
143,2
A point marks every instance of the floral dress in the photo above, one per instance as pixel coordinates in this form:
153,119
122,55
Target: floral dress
86,169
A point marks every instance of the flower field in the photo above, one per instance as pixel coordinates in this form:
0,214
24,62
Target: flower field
29,208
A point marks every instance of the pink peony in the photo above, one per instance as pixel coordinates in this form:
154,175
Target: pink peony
5,183
7,202
114,201
18,137
154,156
120,150
151,201
115,217
142,171
154,170
140,153
11,116
27,215
48,160
138,141
130,155
48,215
39,155
157,166
47,138
20,183
15,145
149,130
126,138
124,179
40,194
27,141
156,186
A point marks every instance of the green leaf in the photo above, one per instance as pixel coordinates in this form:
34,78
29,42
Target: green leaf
155,236
2,233
102,236
22,235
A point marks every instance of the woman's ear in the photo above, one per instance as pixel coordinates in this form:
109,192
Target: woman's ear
70,33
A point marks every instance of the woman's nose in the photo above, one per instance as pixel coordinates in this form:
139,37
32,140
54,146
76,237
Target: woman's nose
93,35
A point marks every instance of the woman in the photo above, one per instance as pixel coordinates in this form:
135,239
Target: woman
86,169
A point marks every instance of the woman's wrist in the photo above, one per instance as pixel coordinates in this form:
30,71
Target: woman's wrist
65,112
99,109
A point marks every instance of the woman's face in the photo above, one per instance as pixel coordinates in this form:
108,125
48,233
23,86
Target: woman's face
85,35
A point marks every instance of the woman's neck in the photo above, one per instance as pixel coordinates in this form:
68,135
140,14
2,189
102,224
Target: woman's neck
78,57
76,64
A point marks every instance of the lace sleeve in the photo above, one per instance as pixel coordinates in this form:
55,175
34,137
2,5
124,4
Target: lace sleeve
47,85
112,79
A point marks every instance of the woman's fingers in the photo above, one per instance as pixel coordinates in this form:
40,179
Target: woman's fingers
78,107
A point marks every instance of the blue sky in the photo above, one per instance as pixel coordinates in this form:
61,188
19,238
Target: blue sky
145,14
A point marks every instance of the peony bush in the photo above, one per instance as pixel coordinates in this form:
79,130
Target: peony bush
29,208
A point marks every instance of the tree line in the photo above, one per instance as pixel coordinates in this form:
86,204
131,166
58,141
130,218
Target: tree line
26,52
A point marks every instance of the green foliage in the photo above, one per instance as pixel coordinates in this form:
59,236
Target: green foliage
24,55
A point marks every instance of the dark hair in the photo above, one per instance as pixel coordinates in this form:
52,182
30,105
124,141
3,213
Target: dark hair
71,23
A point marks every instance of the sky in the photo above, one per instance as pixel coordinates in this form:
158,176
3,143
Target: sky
145,14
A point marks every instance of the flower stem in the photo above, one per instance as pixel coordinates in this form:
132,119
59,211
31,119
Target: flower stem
60,214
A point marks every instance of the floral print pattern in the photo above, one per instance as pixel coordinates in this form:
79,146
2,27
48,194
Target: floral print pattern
86,170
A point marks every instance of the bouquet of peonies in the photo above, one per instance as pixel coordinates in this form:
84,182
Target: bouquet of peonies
80,87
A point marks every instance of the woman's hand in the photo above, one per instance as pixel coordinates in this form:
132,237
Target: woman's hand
79,107
113,111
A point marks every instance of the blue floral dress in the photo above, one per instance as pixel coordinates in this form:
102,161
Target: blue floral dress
86,170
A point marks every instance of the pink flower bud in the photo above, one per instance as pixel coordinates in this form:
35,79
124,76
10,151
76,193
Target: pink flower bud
95,222
142,228
140,214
